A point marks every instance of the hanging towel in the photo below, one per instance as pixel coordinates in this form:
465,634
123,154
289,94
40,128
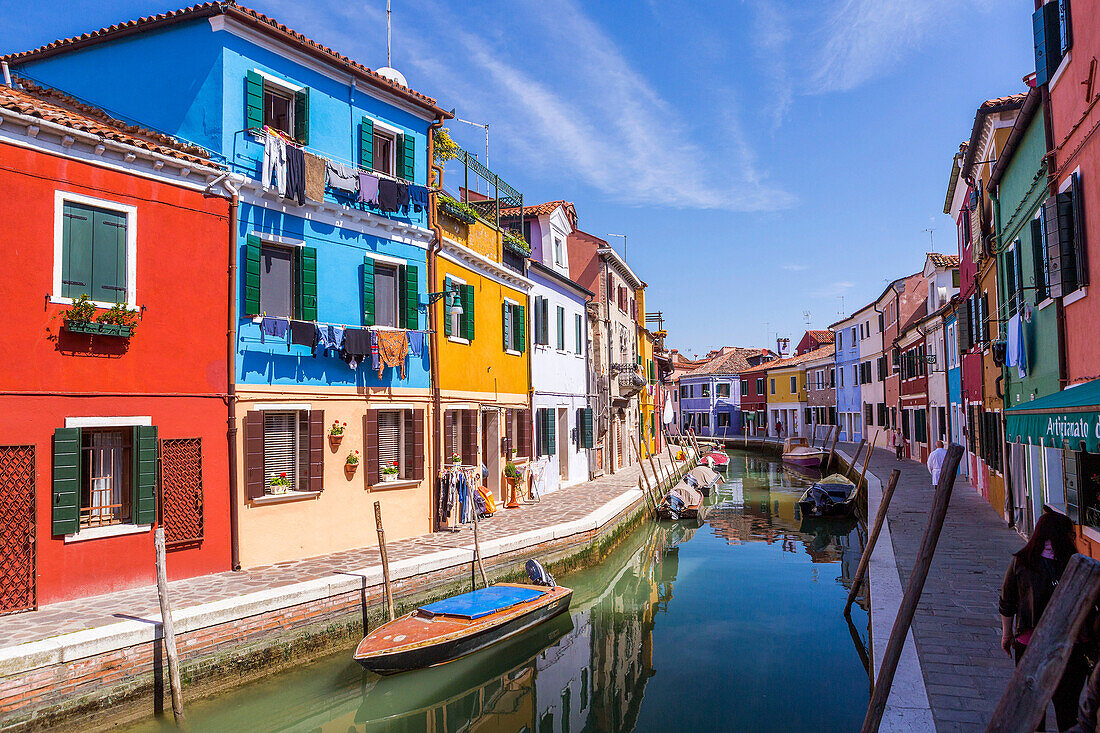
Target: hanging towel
418,197
416,343
274,162
303,333
343,178
273,327
393,347
368,189
1021,348
389,194
295,175
1012,355
314,177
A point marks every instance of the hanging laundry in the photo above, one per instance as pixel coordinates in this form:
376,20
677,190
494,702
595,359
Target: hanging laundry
295,175
274,162
393,347
328,337
357,346
343,178
418,197
374,351
276,327
303,333
314,177
416,343
403,197
389,194
368,189
1015,353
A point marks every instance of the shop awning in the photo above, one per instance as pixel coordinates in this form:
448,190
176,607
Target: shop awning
1067,418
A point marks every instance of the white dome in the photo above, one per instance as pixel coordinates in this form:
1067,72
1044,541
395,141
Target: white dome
393,75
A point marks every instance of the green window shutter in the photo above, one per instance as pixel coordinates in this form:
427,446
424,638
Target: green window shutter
66,481
366,144
447,287
506,325
586,431
520,324
301,116
145,474
580,332
307,284
407,160
551,438
76,255
412,297
254,100
561,328
468,312
252,275
368,291
108,257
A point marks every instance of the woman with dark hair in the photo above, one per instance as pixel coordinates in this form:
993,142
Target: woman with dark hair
1032,576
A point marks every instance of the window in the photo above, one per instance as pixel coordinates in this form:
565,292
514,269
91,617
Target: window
286,450
683,391
881,316
278,108
723,389
559,252
882,414
561,328
744,387
704,419
514,326
839,340
1052,25
546,431
106,464
760,386
541,316
95,255
1064,227
723,420
868,415
385,295
280,281
459,309
452,434
706,389
385,145
840,371
391,441
772,386
578,321
282,105
276,281
854,342
1039,258
794,385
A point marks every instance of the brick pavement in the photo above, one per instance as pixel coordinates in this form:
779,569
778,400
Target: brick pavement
562,506
956,628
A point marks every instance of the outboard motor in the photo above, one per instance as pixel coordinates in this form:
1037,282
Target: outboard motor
538,574
675,506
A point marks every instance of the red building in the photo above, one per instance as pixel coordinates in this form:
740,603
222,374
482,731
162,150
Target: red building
754,401
106,434
910,350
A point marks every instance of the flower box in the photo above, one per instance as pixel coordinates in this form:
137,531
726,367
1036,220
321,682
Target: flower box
388,477
99,329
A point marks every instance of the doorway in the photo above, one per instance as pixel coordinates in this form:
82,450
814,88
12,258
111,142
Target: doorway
17,552
490,440
563,444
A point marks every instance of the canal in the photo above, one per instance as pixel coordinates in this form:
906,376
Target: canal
736,625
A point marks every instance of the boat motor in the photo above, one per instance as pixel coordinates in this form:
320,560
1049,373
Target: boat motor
538,574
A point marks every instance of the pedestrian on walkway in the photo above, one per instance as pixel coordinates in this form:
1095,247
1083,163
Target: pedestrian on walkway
898,441
1032,576
935,462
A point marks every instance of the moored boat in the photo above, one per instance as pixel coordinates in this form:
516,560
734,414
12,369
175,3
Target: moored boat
832,496
446,630
798,452
683,501
716,460
705,478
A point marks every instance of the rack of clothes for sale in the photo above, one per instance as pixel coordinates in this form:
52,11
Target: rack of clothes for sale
296,173
462,492
383,347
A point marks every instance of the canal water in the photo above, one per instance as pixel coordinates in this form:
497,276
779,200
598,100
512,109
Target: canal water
737,625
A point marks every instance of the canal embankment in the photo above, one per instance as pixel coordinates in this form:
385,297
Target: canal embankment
104,655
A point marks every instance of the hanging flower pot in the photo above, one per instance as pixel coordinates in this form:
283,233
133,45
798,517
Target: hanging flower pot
351,464
336,433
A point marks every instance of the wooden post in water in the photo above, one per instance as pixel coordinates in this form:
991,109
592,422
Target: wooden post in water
855,460
913,589
880,519
648,493
832,448
477,552
1028,693
387,591
168,628
866,460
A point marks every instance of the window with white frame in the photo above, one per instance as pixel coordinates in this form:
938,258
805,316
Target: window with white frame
94,249
106,466
385,148
286,450
559,251
391,441
278,107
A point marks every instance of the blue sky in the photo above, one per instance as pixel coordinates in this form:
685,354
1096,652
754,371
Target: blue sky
764,158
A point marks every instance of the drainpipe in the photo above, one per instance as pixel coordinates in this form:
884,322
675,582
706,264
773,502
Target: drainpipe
607,330
433,325
587,381
230,366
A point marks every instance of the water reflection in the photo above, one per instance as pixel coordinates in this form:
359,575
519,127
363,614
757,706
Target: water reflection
735,625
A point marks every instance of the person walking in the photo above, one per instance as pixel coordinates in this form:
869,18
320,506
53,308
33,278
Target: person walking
898,441
1033,574
935,462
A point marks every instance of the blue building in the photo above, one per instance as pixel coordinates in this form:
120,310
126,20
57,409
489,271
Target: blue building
331,249
851,373
956,408
710,396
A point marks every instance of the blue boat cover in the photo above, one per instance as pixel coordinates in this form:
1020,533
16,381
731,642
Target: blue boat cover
482,601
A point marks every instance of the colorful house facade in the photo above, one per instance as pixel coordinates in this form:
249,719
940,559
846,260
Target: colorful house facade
848,334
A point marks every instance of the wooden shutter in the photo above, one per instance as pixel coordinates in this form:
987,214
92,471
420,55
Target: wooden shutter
469,437
412,297
448,434
551,432
446,307
506,321
254,454
523,419
963,321
399,156
252,275
467,298
407,161
580,329
984,308
520,325
366,144
307,284
76,268
1080,251
66,481
368,291
254,100
545,322
370,446
108,256
561,328
1048,42
145,474
414,444
301,116
1038,260
1053,246
316,450
587,432
540,433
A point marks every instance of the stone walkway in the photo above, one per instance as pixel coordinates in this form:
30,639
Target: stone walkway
956,628
562,506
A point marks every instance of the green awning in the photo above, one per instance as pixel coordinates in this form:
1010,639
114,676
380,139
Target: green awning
1070,418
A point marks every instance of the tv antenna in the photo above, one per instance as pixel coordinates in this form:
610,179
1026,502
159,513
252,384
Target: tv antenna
931,239
806,317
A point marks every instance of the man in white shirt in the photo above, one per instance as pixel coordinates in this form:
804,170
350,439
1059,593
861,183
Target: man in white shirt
935,462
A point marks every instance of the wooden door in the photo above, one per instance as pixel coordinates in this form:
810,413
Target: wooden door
17,552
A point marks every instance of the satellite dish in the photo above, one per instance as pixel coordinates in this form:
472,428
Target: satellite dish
388,72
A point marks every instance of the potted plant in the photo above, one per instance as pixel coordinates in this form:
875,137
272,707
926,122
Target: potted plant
388,472
351,463
118,321
336,433
512,476
456,459
279,484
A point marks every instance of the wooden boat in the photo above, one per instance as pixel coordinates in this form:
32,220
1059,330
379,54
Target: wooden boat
682,502
797,451
832,496
706,478
716,460
447,630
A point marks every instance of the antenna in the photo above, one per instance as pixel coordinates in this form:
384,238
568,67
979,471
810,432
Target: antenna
625,250
388,34
841,311
931,238
806,317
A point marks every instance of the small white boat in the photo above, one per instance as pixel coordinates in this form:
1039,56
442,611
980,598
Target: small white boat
797,451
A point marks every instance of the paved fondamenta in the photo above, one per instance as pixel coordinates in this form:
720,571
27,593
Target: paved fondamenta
564,505
957,627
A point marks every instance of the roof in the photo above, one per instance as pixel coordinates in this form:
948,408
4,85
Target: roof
792,361
988,107
939,260
825,352
51,105
245,15
953,179
538,209
553,274
821,335
1031,106
733,360
623,268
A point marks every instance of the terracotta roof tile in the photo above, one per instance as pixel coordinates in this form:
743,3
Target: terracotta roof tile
791,361
732,360
821,336
941,260
227,7
537,209
54,106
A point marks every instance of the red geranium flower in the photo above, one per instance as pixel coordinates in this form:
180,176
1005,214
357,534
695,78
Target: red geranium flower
282,475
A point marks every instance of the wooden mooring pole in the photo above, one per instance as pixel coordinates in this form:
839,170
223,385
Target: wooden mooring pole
649,492
387,591
866,460
855,460
865,560
913,590
1028,693
832,448
477,551
168,628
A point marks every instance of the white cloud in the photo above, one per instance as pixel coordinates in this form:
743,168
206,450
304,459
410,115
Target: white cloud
833,289
772,34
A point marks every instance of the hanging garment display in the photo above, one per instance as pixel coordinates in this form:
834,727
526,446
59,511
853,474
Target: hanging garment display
328,337
343,178
314,177
418,197
417,343
393,348
390,194
357,346
274,163
368,189
276,327
295,175
303,333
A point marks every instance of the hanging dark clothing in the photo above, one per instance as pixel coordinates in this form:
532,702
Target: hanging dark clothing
403,197
303,333
273,327
389,194
357,346
418,197
295,174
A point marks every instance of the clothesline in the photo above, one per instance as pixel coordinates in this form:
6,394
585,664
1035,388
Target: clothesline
258,319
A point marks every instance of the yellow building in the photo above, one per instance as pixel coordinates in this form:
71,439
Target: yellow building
480,322
649,407
786,391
